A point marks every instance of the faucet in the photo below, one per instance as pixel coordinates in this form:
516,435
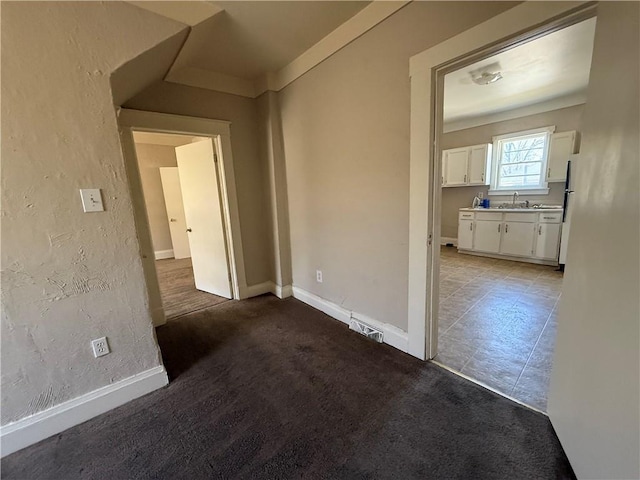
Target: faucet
515,197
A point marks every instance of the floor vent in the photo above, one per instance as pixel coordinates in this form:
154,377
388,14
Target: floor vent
365,330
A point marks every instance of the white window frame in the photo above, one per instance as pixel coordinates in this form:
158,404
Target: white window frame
542,187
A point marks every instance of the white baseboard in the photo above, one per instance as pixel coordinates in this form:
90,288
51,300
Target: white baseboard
162,254
452,240
284,291
393,336
18,435
266,287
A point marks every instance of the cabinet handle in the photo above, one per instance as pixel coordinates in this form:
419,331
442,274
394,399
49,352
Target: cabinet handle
539,229
499,227
548,218
442,180
506,228
549,172
482,178
471,226
465,179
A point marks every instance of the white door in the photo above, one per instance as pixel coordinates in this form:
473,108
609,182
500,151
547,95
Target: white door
517,239
548,240
487,237
175,211
465,234
203,211
478,164
455,166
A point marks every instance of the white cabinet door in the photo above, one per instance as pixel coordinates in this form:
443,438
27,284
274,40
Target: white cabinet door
561,145
517,239
487,237
465,234
454,168
547,240
478,158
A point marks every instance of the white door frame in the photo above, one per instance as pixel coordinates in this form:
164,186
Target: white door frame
517,25
220,131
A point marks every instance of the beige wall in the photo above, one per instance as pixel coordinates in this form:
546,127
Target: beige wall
249,165
346,143
594,396
68,277
150,159
454,198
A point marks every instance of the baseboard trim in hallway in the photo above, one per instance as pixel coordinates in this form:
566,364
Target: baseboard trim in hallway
392,336
18,435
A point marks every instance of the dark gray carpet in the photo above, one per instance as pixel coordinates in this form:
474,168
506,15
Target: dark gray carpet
266,388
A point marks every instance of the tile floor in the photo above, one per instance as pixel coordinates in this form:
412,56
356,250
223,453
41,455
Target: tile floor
497,322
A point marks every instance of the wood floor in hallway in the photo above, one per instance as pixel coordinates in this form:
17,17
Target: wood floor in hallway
178,289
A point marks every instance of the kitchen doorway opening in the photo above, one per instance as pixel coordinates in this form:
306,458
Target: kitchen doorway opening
181,176
507,138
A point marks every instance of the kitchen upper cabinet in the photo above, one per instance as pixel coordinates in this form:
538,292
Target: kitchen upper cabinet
479,163
517,239
466,165
561,146
454,167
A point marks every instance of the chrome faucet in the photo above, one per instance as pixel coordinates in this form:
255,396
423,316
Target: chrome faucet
515,197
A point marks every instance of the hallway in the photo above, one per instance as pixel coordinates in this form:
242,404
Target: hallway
178,289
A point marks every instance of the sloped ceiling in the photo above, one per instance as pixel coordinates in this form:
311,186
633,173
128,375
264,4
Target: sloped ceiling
243,47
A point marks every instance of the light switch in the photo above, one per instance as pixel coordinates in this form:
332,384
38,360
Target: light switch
91,200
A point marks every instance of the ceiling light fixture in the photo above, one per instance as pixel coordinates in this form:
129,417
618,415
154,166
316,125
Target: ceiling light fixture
486,75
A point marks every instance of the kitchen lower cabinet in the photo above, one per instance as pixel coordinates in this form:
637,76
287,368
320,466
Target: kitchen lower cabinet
548,240
465,234
518,239
525,235
487,236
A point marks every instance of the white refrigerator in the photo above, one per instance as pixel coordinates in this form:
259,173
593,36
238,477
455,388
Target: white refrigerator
569,201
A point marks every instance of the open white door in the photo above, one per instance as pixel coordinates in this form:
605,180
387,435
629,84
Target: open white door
175,211
202,207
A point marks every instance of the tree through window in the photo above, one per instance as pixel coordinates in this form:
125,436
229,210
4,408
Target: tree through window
520,160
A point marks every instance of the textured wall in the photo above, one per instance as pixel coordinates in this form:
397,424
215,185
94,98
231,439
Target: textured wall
248,163
67,276
150,159
346,143
454,198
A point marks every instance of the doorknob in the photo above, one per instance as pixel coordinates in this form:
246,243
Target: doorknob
173,220
188,229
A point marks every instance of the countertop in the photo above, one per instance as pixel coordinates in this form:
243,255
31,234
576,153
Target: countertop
519,210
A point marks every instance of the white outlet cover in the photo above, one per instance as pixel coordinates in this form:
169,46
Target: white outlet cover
91,200
100,347
319,276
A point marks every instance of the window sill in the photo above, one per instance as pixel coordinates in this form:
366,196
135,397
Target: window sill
521,192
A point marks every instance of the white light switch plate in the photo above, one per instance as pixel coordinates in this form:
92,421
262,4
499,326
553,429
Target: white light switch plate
91,200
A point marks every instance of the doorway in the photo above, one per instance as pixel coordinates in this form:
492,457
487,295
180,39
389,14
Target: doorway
428,69
511,126
180,185
187,216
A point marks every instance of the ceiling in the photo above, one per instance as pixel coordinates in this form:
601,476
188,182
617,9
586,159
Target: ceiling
248,39
240,46
548,70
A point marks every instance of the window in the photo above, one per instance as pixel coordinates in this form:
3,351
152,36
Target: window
519,162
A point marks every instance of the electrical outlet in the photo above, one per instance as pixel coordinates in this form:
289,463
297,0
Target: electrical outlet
319,276
100,347
91,200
